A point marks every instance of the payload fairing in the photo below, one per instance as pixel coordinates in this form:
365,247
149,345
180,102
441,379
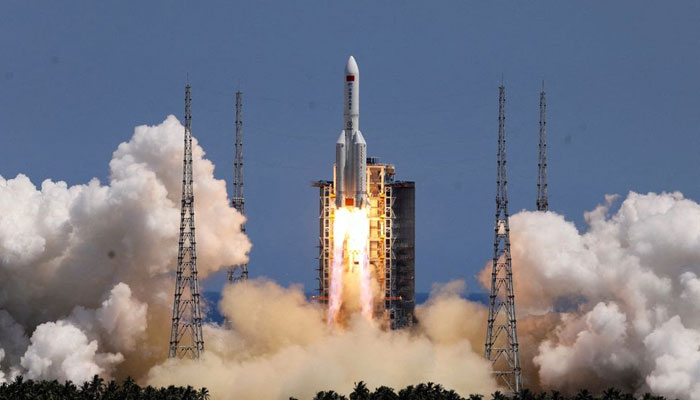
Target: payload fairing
351,148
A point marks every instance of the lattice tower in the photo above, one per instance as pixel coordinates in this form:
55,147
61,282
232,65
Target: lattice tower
542,201
238,272
501,335
186,332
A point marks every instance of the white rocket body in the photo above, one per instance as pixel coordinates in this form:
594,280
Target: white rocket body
351,148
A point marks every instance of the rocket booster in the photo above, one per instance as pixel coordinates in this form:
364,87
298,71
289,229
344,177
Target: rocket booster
351,148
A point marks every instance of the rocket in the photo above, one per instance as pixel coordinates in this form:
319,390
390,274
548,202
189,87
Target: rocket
351,148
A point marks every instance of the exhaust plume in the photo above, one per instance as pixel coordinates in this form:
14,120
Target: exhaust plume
616,305
278,346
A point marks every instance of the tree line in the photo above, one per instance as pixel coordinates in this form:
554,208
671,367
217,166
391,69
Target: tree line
98,389
432,391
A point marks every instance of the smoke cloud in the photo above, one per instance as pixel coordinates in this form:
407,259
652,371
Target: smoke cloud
87,274
87,269
60,350
279,346
619,301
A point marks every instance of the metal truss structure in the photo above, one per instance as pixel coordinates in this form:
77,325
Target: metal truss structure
542,201
501,347
238,273
186,331
390,247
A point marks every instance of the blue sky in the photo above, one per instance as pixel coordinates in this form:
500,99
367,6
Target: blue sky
621,78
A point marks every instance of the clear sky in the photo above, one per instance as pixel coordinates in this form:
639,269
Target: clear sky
621,79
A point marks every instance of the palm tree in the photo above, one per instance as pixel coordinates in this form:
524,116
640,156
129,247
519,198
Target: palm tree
150,393
556,395
69,390
190,393
524,394
611,394
130,390
329,395
584,394
17,388
204,394
384,393
425,391
497,395
361,392
451,395
541,396
407,393
111,391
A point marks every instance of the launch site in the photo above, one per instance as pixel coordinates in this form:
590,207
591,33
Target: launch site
350,201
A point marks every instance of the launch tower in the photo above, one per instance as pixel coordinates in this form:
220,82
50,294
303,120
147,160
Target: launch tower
501,333
186,331
391,242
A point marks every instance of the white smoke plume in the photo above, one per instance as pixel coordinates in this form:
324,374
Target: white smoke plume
86,270
616,305
60,350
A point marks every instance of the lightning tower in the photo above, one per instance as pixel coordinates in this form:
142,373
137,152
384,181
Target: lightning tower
238,273
542,201
186,332
501,334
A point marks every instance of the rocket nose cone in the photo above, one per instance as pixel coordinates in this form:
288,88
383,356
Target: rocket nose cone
358,138
341,138
351,67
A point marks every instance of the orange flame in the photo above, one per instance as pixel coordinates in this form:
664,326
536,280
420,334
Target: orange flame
350,266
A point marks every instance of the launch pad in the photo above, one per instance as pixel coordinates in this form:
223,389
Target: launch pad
391,243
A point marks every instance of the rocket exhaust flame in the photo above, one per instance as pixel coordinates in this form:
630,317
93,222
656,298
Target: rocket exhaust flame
350,265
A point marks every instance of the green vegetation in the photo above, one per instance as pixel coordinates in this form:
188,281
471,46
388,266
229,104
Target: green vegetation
431,391
96,389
